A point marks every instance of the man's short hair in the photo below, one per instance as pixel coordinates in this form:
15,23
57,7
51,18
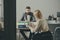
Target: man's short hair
28,7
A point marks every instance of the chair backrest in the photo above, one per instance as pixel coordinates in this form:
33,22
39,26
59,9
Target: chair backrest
57,33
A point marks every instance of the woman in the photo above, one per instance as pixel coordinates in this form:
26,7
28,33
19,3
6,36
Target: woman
40,29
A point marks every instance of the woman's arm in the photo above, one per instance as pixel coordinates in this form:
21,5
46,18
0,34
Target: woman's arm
35,27
38,25
32,26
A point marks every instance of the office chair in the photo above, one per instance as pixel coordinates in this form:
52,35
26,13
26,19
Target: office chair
57,33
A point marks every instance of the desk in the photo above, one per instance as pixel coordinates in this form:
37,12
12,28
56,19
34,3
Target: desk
22,31
53,25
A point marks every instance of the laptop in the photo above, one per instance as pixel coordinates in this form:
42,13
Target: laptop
23,25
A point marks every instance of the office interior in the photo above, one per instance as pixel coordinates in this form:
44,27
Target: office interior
47,7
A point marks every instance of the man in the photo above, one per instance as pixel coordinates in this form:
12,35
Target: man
27,16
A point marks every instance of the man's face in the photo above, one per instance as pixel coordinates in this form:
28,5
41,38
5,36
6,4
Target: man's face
27,10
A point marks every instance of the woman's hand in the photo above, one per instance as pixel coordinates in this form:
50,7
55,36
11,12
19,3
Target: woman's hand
32,25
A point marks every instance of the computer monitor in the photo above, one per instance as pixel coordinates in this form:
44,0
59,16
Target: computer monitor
58,14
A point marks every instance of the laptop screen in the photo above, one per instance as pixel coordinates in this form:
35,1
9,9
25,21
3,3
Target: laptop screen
22,24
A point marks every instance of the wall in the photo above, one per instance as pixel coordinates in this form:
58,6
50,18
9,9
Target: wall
46,6
1,8
59,4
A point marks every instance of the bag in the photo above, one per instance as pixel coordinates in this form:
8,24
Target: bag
43,36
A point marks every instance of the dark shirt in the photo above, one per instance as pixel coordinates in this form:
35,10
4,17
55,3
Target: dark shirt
25,16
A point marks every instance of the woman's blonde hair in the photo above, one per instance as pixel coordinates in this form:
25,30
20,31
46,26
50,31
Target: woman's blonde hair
38,14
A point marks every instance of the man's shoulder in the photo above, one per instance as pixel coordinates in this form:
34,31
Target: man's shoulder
31,13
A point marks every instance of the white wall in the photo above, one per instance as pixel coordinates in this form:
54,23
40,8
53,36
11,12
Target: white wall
46,6
59,5
1,8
